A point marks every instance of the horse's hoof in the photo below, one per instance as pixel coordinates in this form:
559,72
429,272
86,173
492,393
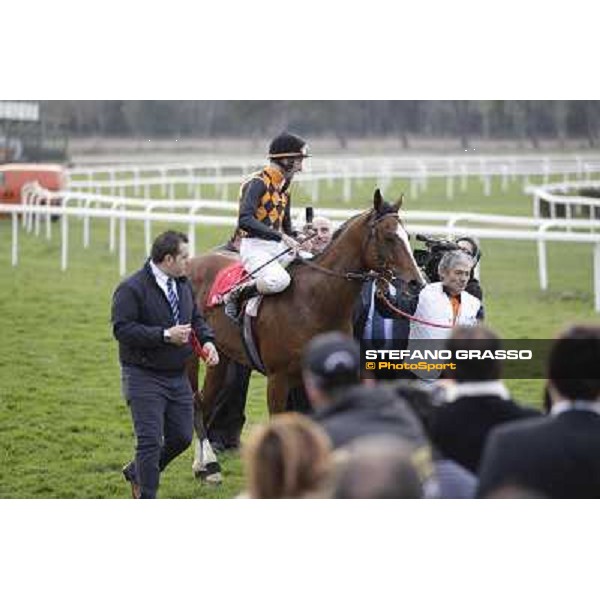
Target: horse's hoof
210,474
213,479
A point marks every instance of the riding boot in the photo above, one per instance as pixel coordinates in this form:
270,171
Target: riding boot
236,298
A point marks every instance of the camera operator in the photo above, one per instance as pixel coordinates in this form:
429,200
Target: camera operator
429,259
469,245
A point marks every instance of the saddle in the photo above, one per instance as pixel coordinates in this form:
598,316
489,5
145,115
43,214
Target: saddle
226,279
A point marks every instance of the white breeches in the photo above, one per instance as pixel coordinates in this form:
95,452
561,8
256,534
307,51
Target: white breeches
273,278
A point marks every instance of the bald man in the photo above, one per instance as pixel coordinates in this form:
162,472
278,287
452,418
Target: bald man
324,228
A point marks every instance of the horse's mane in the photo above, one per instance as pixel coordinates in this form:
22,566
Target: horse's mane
384,209
369,214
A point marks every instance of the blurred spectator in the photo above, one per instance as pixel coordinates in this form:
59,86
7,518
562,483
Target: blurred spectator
323,228
375,326
378,467
476,400
289,457
348,411
558,455
469,245
343,406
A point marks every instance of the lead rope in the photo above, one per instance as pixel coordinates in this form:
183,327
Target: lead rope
382,297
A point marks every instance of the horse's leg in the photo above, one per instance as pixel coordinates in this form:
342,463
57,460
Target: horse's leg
205,466
277,392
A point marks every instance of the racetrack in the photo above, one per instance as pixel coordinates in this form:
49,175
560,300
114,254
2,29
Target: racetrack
64,428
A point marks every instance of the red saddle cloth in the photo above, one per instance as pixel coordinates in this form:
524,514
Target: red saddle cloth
227,278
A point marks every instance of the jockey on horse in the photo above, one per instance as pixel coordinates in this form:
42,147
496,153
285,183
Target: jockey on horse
265,219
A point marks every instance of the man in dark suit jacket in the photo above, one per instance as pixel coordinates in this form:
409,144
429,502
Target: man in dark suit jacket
557,456
153,317
476,401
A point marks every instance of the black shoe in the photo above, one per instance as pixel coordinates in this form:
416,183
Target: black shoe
236,298
129,474
232,307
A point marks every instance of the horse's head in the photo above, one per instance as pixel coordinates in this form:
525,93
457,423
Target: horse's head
386,246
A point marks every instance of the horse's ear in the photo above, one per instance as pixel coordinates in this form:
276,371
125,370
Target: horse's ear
398,203
377,200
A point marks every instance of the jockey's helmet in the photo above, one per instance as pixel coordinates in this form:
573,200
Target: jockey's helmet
288,145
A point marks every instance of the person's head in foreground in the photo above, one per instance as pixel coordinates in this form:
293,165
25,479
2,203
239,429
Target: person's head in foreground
479,338
574,365
288,457
331,365
377,467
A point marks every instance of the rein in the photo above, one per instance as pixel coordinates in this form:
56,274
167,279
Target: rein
349,276
401,313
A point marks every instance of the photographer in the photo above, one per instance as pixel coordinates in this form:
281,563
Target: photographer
429,259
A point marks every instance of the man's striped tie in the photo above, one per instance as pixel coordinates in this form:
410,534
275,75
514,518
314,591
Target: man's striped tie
173,300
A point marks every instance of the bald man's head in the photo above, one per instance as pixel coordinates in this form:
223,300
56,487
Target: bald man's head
324,228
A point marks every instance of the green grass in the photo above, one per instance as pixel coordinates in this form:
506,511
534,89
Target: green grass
65,430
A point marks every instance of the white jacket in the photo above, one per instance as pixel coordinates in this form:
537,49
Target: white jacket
434,305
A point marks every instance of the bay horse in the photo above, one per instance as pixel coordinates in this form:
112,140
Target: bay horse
320,298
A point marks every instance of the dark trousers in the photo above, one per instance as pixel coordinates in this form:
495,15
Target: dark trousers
162,411
225,425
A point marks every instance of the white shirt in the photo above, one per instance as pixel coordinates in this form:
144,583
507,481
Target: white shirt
566,405
388,325
476,388
161,279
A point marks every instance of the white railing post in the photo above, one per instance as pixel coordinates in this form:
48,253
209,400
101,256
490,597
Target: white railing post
64,254
147,230
347,189
15,239
542,268
86,225
38,215
122,243
192,233
163,176
48,224
112,226
449,187
463,178
542,263
487,185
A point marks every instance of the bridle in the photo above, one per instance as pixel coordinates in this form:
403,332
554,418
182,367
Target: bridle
382,275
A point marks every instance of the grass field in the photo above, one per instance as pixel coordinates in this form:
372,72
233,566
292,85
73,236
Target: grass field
65,430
